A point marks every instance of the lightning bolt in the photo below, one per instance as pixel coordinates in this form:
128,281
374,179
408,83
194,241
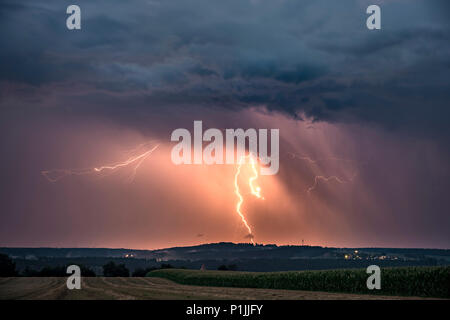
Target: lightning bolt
318,178
315,161
296,156
135,161
326,179
254,190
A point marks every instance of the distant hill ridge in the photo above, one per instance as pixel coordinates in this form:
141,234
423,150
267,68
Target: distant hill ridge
221,250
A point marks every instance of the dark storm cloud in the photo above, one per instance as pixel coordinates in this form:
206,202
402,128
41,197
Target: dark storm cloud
139,69
315,57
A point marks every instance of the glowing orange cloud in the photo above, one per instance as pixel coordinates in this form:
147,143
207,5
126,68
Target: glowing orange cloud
136,160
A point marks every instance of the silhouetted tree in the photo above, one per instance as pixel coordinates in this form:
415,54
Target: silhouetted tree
112,270
27,272
140,272
230,267
58,271
166,266
87,272
7,266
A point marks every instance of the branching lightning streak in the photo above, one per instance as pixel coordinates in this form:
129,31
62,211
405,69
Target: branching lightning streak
321,177
127,162
315,161
317,178
255,190
294,156
57,174
241,199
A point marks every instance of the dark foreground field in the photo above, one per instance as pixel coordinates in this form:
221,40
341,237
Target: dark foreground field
151,288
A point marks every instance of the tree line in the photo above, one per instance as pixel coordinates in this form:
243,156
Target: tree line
110,269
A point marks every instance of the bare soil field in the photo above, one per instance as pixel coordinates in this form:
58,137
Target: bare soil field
101,288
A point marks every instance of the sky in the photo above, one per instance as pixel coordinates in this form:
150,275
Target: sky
366,110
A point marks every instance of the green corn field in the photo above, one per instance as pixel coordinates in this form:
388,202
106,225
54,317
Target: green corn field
407,281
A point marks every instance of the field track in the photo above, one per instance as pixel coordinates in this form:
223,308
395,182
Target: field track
151,288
